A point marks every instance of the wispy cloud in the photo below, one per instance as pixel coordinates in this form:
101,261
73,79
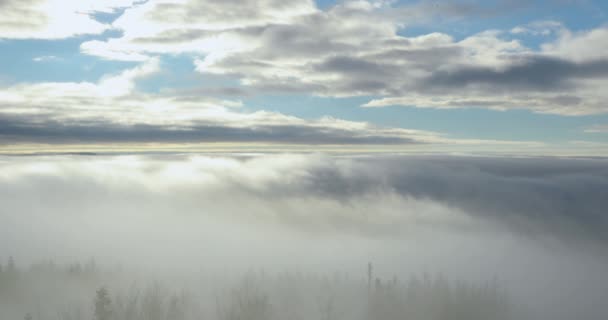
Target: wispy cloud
598,128
46,58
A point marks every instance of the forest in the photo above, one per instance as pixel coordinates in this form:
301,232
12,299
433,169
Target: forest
79,291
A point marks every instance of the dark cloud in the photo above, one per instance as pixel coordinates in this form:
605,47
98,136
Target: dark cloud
349,65
194,94
532,74
539,197
547,200
426,59
15,129
563,198
284,86
301,40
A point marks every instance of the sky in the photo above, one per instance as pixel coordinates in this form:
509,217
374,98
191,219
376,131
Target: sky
517,77
463,138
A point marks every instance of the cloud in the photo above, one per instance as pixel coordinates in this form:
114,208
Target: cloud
322,132
53,19
193,26
579,46
417,206
535,223
598,128
349,49
541,199
110,111
113,110
535,73
540,28
46,58
558,80
537,197
510,78
543,84
354,48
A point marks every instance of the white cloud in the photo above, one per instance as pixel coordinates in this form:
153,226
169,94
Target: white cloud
124,83
53,19
580,46
176,26
46,58
598,128
540,28
103,50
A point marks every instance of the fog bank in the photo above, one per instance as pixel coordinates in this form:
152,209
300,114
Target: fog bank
536,224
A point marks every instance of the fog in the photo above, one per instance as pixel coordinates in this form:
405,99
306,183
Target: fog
292,236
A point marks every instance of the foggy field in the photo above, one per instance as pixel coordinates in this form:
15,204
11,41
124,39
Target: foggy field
82,291
272,236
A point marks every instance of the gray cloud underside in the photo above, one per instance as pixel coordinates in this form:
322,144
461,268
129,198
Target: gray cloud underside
532,74
526,73
20,129
542,199
562,198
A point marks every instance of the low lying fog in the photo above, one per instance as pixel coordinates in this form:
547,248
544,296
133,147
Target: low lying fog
531,231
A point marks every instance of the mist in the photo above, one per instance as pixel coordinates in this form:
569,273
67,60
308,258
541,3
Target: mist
303,236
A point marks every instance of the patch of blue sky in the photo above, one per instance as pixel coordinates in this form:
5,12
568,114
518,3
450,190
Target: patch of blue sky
109,17
324,4
54,61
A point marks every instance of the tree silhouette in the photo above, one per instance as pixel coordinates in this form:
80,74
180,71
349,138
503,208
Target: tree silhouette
103,305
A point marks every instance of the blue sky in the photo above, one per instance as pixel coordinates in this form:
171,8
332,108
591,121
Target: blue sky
365,73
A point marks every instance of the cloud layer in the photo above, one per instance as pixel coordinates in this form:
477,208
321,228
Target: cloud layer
537,197
108,111
536,223
355,49
114,110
